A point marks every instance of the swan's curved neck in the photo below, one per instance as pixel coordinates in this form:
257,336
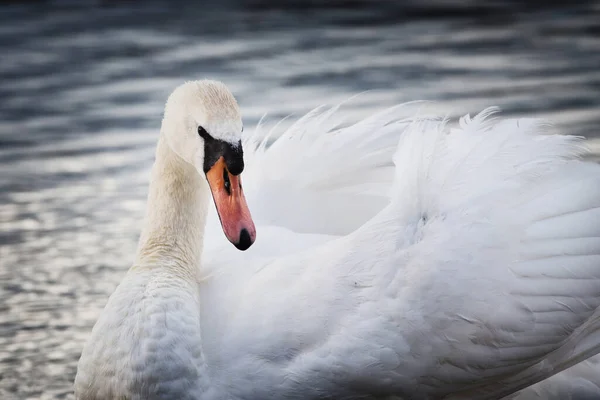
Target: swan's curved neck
150,326
173,231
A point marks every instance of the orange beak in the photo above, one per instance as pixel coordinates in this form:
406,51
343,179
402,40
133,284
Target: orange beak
231,205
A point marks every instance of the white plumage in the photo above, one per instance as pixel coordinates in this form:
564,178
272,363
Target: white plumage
467,269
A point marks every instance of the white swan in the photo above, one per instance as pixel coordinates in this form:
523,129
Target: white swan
469,270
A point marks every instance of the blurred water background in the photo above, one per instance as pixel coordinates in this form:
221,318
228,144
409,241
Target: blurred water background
82,86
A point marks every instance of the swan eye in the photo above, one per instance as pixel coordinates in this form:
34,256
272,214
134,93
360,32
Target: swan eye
202,132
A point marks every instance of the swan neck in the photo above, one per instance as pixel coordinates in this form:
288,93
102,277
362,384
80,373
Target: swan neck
173,231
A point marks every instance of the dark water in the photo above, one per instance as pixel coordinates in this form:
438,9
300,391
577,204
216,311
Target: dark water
82,90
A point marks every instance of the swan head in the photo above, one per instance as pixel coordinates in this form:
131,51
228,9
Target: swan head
202,124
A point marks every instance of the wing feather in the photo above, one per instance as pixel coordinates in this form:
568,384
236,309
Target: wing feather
512,239
470,270
320,178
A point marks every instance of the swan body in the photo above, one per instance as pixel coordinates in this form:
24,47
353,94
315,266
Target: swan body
395,258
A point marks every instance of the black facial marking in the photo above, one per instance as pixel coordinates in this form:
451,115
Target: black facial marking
215,148
234,158
202,132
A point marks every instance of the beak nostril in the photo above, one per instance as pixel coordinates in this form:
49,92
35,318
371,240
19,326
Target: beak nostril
227,183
